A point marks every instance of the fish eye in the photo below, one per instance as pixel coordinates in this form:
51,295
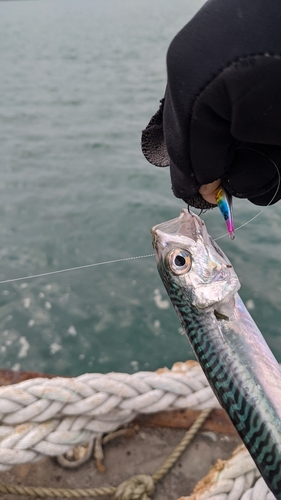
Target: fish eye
179,261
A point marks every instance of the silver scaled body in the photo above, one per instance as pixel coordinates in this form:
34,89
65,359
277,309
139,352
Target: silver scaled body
238,363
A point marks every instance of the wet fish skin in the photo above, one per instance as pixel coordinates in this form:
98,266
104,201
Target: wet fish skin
239,365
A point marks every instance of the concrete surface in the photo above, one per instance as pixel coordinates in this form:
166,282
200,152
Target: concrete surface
124,457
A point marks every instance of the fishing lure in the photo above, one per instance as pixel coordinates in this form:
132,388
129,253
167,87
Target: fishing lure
224,201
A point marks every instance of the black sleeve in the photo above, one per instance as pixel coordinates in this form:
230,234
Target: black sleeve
221,116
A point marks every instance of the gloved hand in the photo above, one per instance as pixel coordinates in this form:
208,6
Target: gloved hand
220,118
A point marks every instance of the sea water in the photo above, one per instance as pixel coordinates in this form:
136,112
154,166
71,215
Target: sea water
79,80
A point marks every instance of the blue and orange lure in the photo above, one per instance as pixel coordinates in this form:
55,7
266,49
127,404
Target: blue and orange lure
224,201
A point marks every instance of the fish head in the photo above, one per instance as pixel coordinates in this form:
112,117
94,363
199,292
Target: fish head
188,259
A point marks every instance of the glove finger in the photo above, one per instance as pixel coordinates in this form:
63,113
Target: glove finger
255,174
183,189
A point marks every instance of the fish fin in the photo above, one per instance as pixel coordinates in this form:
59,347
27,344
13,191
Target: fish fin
221,316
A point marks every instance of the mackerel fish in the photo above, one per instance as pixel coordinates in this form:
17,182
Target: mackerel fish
242,371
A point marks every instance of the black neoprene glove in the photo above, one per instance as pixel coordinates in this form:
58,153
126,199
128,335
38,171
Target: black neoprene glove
221,115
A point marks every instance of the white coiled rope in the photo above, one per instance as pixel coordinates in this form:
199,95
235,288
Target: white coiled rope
52,416
233,479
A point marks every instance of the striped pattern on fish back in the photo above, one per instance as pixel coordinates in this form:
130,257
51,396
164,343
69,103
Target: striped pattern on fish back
227,386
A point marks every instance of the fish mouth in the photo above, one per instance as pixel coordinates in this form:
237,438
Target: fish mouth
188,228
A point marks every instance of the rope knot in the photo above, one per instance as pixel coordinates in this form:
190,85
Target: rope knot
138,487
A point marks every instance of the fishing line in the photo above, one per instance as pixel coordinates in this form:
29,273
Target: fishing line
76,268
60,271
269,203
